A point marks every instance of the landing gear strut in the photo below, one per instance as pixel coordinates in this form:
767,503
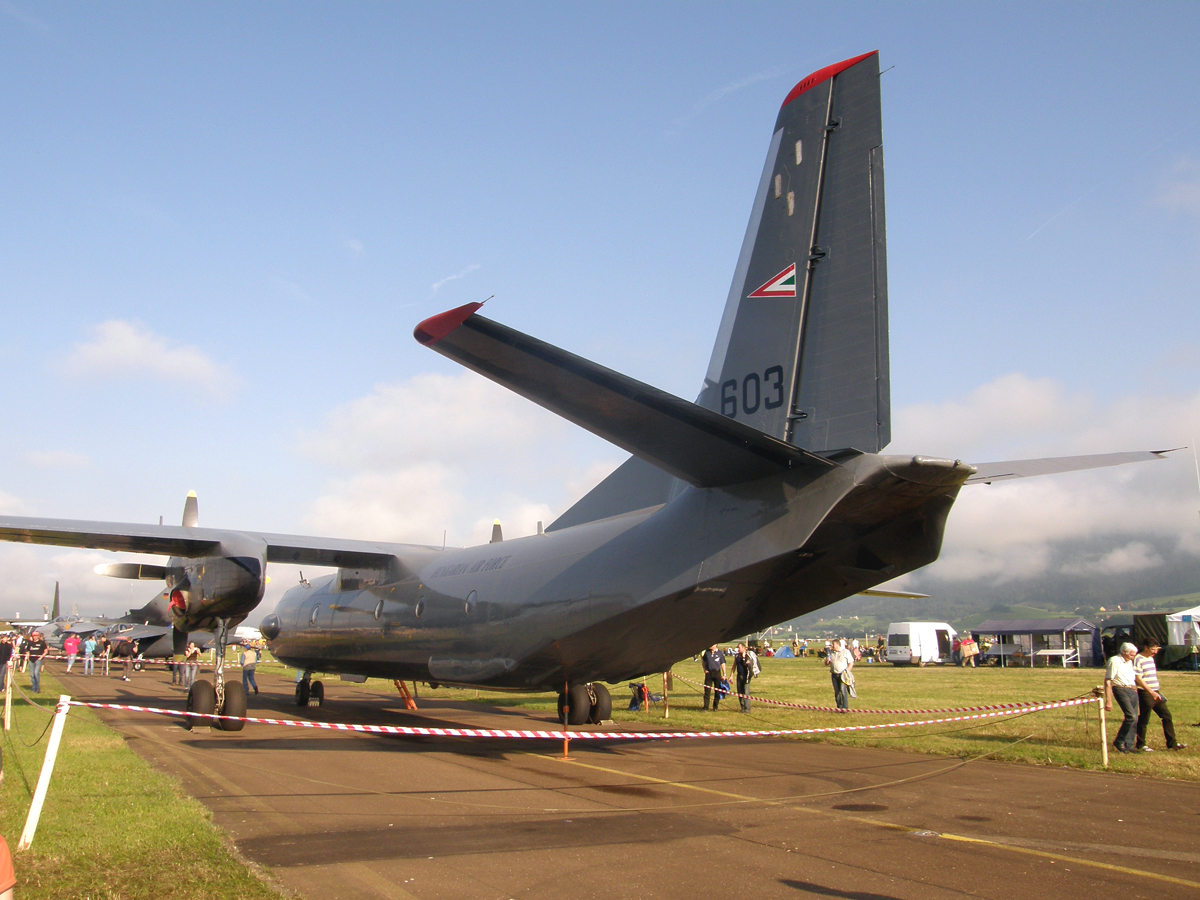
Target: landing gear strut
309,692
582,704
205,698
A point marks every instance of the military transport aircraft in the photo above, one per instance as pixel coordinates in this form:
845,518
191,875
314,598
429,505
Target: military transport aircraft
763,500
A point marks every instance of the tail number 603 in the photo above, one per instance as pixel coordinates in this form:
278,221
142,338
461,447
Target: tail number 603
765,390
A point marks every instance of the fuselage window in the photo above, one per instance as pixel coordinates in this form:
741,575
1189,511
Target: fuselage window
469,606
420,607
378,610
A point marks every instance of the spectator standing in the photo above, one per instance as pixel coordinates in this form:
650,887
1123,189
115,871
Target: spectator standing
124,650
191,664
89,655
71,648
841,664
713,663
8,877
249,661
37,648
6,653
1120,684
743,671
1150,698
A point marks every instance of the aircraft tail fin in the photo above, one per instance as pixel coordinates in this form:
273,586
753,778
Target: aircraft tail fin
802,351
54,610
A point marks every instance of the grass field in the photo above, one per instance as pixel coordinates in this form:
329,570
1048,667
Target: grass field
112,827
1068,737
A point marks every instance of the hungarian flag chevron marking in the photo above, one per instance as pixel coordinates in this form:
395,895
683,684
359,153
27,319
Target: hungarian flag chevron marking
782,285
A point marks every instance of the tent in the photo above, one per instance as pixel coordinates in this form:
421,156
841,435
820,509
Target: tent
1022,641
1172,631
1182,624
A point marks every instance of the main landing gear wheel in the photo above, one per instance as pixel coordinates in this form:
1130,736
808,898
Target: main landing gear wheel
235,705
201,701
302,691
316,694
575,706
601,704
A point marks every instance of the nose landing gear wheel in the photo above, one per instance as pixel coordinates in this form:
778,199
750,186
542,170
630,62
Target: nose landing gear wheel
201,701
602,705
235,705
302,689
316,694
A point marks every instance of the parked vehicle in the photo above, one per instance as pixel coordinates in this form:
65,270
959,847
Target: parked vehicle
919,643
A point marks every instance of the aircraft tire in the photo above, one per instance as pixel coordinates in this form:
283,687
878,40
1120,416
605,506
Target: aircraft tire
235,705
201,701
302,688
602,707
317,693
580,705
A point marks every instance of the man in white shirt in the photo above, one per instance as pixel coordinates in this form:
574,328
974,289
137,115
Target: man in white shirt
840,663
1120,683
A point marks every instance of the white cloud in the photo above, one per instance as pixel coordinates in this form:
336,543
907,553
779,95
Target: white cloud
57,459
447,454
30,573
1181,191
1033,528
437,285
11,506
129,350
353,246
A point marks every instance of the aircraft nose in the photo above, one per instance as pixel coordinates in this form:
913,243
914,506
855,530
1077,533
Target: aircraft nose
270,627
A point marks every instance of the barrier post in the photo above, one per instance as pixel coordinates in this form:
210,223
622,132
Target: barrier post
1103,727
566,723
9,673
43,785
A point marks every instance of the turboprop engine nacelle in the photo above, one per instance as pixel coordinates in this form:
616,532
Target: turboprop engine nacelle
206,589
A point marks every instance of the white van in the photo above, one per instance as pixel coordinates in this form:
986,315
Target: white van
919,643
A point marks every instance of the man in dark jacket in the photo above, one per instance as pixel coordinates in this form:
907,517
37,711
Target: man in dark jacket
713,662
36,650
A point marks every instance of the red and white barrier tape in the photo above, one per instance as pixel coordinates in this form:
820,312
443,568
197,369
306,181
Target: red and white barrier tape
414,731
834,709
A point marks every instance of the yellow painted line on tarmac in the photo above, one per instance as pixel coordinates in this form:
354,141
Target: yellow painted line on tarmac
891,826
663,781
1075,860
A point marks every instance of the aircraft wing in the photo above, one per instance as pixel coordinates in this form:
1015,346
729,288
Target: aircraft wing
177,540
1026,468
690,442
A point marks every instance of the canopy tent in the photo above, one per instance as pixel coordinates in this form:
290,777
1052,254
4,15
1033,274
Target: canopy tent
1069,641
1176,632
1182,624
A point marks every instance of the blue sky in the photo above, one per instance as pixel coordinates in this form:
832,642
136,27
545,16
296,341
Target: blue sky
222,221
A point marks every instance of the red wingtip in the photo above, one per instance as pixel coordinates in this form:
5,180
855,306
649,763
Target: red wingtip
437,327
823,75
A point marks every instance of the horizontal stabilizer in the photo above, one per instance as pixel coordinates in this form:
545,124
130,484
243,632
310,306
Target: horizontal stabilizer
1026,468
696,444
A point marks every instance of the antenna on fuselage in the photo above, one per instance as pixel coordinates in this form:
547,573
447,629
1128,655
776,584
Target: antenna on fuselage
497,533
303,580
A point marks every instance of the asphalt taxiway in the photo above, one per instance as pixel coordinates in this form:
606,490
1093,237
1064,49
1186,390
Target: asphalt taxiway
343,815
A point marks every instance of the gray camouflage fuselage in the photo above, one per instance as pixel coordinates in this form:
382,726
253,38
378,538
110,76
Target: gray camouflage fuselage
620,597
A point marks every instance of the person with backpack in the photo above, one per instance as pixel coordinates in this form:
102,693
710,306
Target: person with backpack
713,662
249,660
841,665
745,664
